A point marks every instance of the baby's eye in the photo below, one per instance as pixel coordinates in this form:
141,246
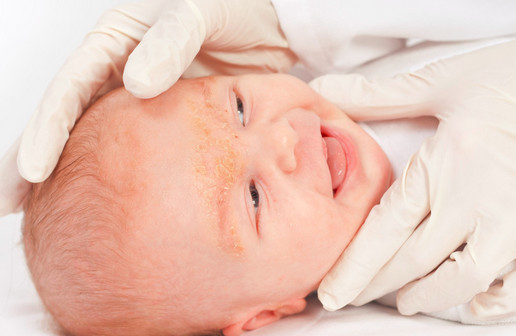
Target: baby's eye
240,111
255,196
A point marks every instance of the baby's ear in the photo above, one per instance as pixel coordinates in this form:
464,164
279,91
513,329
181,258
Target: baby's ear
264,317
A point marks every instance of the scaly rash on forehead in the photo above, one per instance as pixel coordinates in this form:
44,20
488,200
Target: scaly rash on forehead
218,164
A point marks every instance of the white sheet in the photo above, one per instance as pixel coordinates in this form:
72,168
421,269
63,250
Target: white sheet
36,37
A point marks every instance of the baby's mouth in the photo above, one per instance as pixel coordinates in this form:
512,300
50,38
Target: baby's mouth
336,160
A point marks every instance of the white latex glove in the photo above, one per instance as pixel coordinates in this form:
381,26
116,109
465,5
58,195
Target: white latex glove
233,37
463,179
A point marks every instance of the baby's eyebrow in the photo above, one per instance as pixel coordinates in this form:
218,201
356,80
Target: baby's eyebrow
229,236
228,170
218,165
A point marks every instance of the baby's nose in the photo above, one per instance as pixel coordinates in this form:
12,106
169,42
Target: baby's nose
283,143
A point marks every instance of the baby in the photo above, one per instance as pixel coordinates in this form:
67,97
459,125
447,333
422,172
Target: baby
218,205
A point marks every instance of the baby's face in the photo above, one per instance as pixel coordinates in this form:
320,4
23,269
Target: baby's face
255,182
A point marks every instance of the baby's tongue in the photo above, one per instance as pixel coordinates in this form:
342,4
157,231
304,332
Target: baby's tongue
336,161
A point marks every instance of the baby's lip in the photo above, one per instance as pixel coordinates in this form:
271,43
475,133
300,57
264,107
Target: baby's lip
339,156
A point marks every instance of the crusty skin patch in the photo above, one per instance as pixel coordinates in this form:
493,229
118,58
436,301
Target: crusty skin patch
218,164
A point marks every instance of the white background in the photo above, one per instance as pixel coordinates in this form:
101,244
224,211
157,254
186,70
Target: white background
35,38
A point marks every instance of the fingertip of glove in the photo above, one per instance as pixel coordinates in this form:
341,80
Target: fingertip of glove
33,172
405,306
485,310
405,310
4,210
328,300
316,83
135,84
141,86
33,175
140,91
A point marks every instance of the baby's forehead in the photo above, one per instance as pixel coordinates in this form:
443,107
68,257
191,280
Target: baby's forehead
181,146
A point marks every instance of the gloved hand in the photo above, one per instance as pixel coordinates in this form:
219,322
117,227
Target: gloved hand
233,37
462,180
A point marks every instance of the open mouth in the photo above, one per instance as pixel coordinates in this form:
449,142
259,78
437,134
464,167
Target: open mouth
335,158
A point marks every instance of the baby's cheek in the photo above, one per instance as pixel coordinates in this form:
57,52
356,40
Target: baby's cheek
328,232
328,226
